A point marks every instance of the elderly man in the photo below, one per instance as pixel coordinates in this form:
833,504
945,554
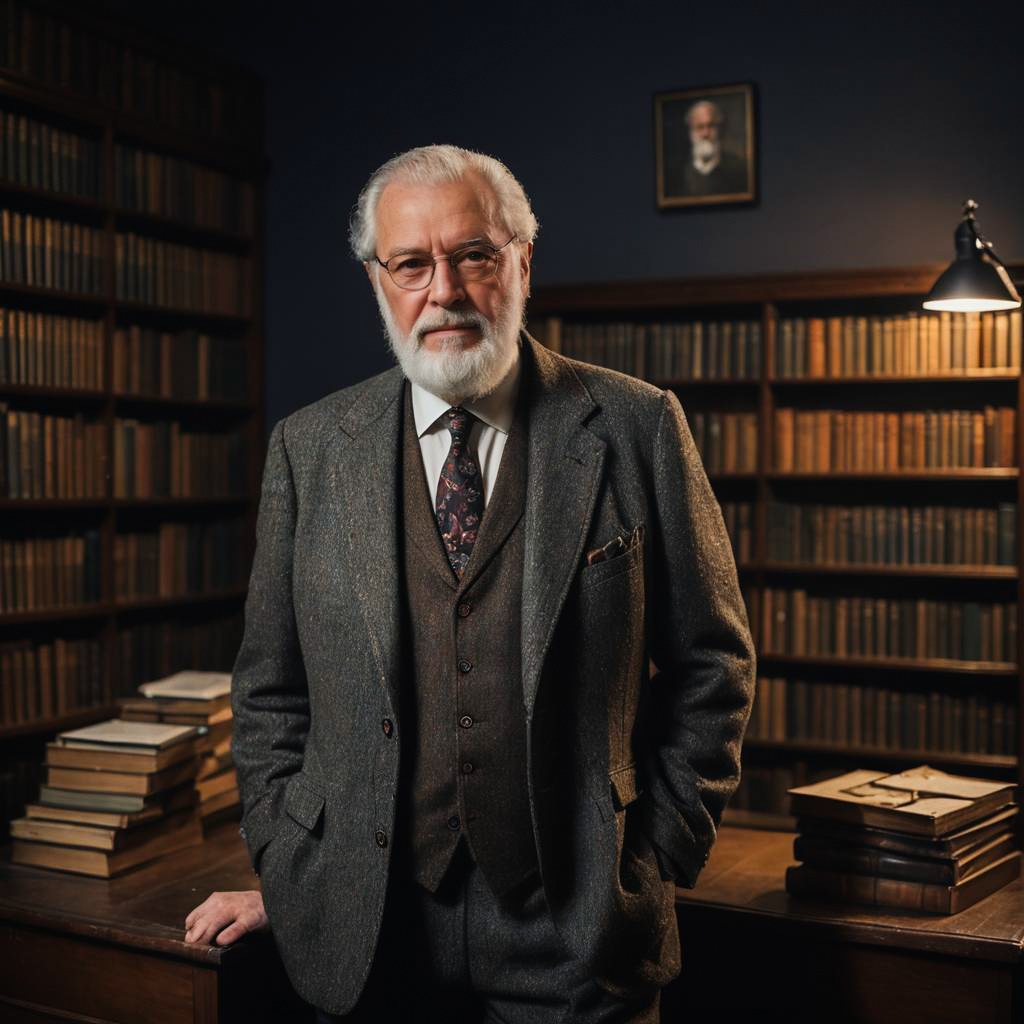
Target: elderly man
711,169
463,791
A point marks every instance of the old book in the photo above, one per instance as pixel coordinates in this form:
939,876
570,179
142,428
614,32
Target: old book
101,863
919,801
111,757
804,880
210,787
96,837
154,736
163,706
189,685
153,808
139,783
866,860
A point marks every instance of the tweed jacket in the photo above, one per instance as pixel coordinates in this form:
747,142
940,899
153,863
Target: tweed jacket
628,771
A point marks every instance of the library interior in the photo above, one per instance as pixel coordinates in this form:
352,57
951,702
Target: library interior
717,312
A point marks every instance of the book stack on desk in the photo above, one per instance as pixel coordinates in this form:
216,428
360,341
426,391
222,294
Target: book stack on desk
117,794
201,699
919,840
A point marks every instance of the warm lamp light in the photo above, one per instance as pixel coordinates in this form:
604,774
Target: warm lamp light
977,280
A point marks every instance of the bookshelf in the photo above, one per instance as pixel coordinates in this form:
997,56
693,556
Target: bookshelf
131,366
866,455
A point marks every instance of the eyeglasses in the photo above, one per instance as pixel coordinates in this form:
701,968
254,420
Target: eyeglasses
414,271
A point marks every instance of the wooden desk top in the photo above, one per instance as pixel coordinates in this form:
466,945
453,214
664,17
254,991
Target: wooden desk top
144,909
746,877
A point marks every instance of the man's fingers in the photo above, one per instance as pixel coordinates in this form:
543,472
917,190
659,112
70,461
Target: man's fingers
231,934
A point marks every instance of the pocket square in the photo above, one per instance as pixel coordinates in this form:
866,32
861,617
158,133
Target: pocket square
616,546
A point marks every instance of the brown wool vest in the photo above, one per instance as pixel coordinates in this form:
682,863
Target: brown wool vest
464,746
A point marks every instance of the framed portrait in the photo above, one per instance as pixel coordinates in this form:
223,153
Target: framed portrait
704,146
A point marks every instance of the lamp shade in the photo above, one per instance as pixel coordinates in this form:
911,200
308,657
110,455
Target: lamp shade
976,281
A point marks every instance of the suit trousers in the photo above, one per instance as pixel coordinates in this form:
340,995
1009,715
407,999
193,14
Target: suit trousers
460,954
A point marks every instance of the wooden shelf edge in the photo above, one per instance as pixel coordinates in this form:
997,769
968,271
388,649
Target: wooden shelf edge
69,720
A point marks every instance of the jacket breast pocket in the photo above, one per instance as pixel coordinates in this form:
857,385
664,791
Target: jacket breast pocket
626,560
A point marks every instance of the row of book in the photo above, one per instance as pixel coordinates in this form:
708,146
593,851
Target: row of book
43,252
168,186
163,273
892,534
855,715
727,441
921,840
185,364
43,456
43,679
908,345
40,155
763,788
48,350
739,524
796,623
180,558
162,460
122,792
699,350
49,572
65,54
830,440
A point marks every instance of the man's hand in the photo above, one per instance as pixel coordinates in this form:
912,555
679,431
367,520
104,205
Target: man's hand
234,912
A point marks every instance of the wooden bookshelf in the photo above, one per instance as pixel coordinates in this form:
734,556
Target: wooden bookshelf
106,129
944,525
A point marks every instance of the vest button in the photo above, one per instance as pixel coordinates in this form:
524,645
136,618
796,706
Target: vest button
464,665
467,768
454,823
388,726
382,838
464,609
466,722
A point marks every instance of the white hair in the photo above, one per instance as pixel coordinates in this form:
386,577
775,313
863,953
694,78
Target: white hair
434,165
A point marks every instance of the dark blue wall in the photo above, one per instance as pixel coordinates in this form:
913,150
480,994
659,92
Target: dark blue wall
876,121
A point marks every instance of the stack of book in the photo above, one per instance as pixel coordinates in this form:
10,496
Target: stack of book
117,794
203,700
920,840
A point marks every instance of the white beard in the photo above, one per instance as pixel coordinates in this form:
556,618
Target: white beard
459,374
705,154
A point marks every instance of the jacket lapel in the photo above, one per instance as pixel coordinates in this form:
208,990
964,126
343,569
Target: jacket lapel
366,483
565,466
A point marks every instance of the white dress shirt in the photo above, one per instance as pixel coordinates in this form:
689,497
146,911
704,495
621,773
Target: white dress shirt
487,436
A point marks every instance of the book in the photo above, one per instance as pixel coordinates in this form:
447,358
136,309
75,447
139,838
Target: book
804,880
155,807
118,731
112,757
96,837
919,801
861,860
104,863
940,847
139,783
191,685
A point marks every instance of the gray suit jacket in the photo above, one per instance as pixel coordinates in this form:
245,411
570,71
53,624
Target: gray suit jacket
617,760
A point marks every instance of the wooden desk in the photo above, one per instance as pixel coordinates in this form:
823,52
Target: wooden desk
82,949
748,948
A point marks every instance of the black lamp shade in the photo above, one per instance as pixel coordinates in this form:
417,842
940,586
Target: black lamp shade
973,282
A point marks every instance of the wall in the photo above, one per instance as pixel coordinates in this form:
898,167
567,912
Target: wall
876,122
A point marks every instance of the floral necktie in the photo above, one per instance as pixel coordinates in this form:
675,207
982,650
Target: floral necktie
459,504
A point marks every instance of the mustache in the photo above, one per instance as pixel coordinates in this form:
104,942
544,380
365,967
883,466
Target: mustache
448,318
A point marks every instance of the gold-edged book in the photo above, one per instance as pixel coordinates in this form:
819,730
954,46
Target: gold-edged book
102,863
122,733
150,809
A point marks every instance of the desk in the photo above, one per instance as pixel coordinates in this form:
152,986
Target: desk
750,948
80,949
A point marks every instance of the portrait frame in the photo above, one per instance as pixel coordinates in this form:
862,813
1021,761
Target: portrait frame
727,116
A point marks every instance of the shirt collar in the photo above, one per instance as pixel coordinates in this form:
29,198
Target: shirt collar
496,410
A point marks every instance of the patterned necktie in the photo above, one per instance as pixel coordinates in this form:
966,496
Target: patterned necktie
459,504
